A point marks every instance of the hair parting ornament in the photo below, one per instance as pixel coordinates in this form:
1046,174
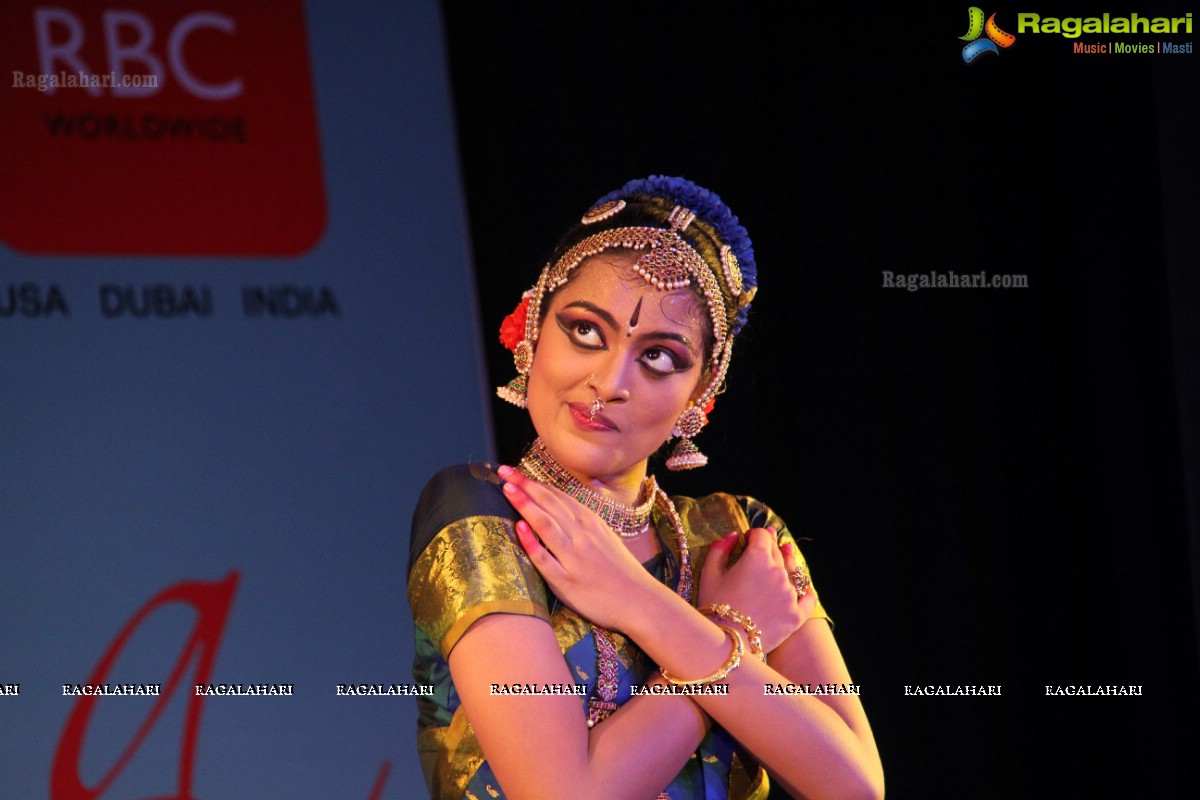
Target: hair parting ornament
677,210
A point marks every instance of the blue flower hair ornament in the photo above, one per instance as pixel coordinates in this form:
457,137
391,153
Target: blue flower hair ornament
709,207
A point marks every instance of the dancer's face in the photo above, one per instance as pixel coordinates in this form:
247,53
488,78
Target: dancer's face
608,334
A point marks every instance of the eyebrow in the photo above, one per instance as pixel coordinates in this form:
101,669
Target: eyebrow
595,309
675,337
612,323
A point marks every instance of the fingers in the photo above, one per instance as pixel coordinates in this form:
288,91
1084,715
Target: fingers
762,537
807,604
551,500
795,566
552,535
542,558
763,543
760,545
565,528
717,559
790,562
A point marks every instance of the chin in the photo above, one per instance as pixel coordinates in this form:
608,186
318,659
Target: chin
582,453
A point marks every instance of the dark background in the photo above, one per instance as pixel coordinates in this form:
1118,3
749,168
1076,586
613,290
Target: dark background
998,485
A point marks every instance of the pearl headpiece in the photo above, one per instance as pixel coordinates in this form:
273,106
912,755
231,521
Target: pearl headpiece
667,261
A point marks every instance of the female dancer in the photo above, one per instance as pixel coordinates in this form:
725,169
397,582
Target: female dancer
589,636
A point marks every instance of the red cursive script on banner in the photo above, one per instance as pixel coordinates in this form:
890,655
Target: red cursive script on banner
211,601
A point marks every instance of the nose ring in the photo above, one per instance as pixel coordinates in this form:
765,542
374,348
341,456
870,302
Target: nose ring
597,404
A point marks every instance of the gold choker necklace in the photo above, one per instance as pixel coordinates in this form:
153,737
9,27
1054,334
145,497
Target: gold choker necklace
627,521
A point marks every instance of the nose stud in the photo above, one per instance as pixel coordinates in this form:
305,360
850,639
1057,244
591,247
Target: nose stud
597,404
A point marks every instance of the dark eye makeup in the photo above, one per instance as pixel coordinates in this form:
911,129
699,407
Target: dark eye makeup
658,360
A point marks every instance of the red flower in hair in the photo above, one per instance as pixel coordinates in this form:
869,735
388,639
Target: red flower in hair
512,329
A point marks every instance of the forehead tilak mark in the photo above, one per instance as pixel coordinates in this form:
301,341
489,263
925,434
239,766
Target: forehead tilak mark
633,321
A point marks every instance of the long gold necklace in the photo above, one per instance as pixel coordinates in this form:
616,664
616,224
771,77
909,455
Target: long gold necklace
541,465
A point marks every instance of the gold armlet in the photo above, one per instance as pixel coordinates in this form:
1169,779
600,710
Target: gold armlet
753,632
735,658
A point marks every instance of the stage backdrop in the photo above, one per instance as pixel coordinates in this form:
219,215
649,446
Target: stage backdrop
237,333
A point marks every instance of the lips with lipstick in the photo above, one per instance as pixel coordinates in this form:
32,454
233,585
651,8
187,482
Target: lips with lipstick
582,414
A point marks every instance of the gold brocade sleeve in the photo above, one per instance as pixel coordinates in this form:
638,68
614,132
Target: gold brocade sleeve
472,568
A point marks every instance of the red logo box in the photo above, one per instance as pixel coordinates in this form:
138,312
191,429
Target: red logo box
134,127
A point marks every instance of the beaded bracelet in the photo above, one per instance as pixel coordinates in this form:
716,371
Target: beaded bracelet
753,632
735,658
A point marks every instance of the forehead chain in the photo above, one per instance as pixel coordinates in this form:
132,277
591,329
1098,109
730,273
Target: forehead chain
667,262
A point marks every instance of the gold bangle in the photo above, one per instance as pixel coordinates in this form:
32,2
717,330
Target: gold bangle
735,658
753,632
